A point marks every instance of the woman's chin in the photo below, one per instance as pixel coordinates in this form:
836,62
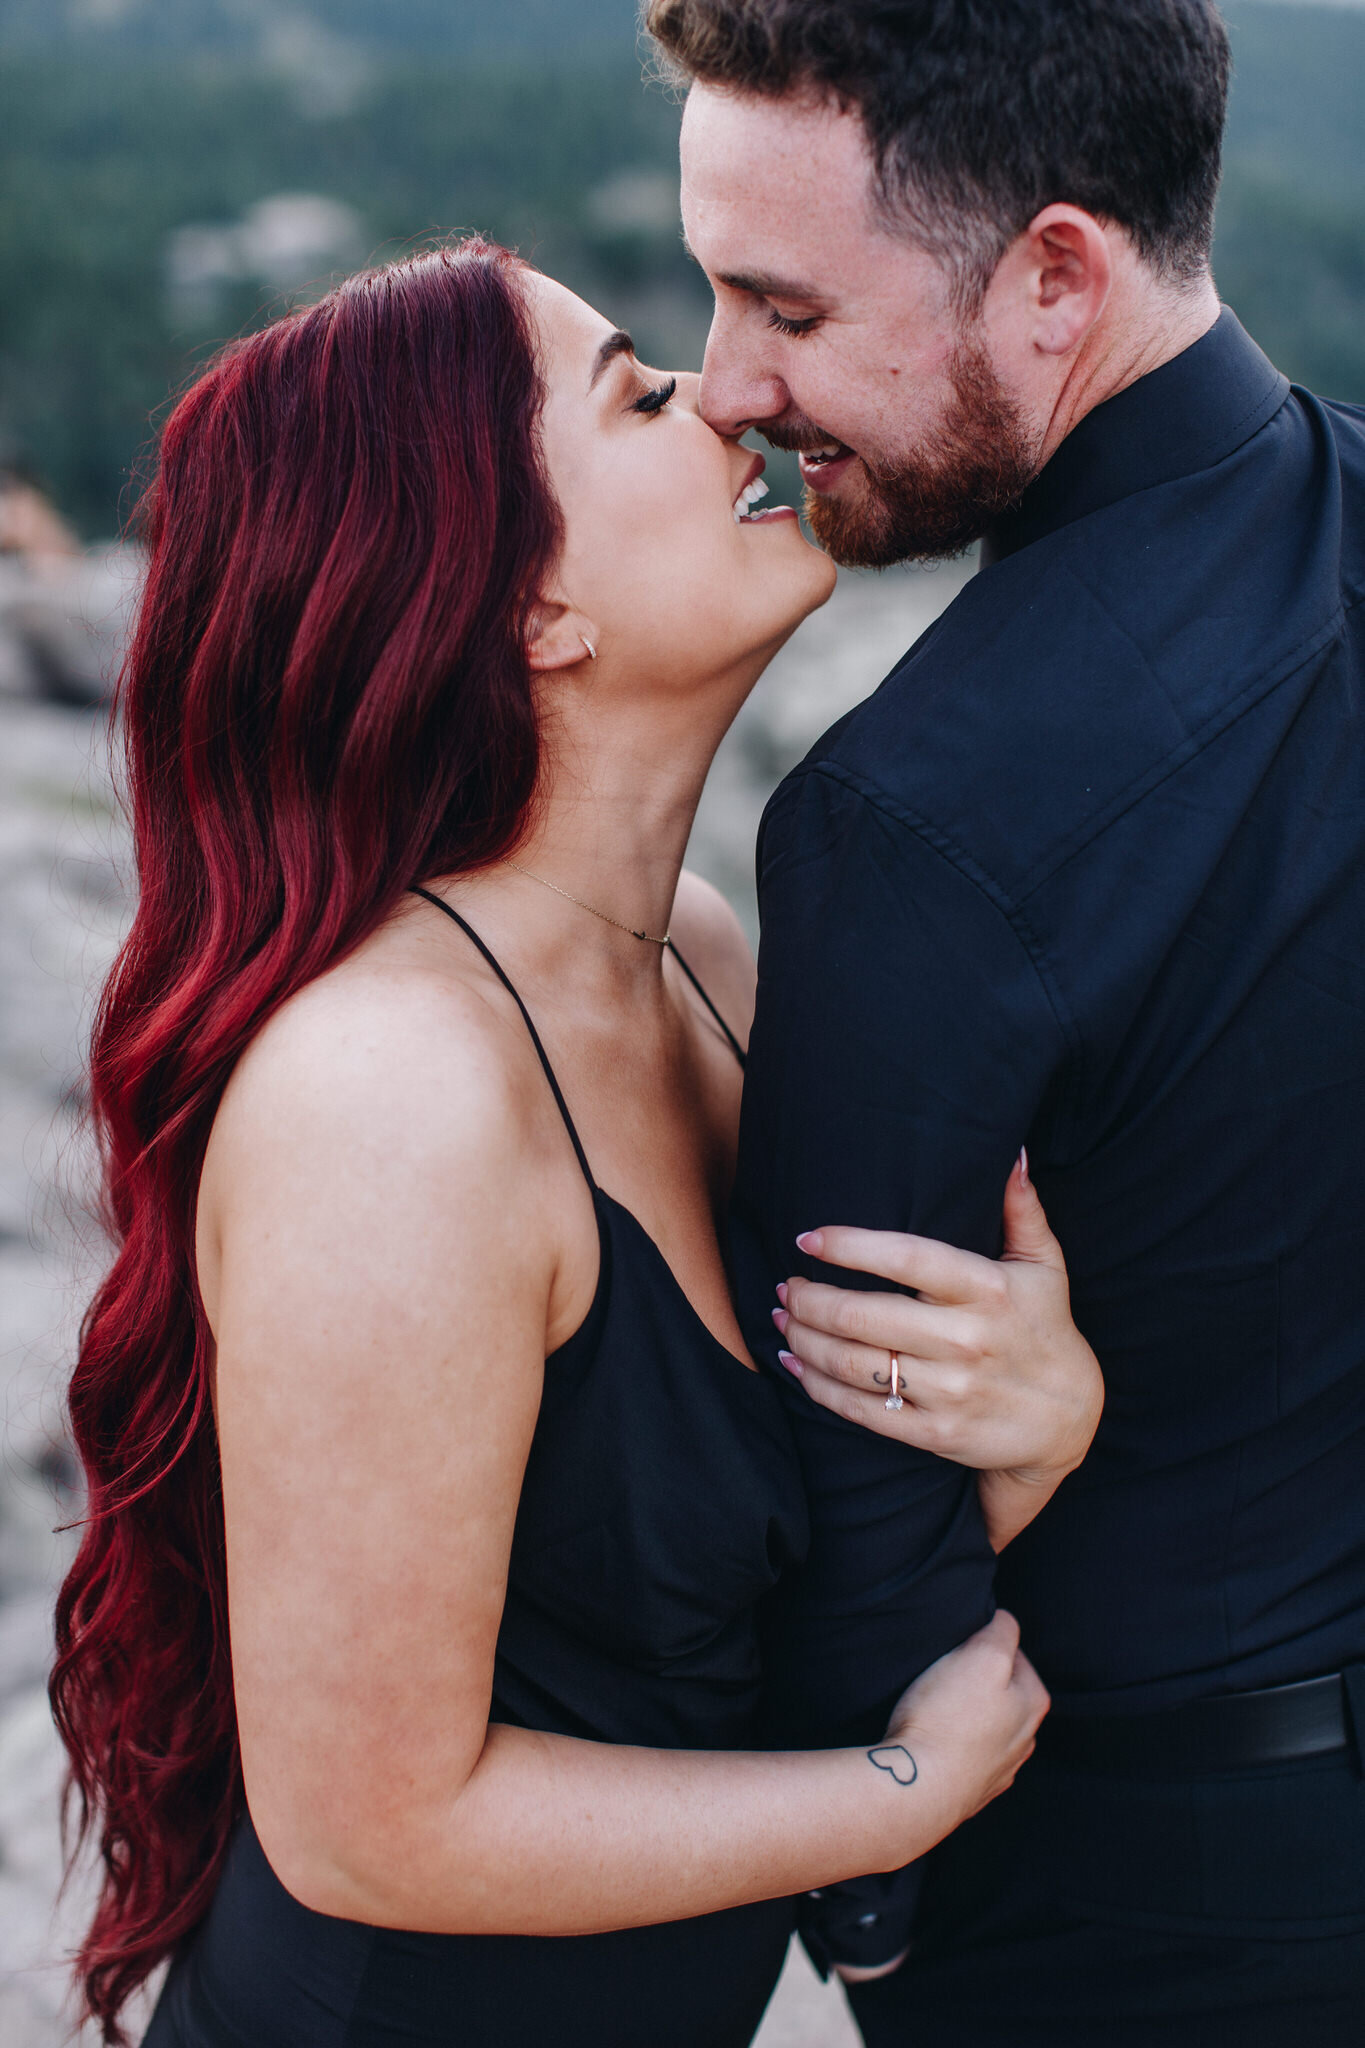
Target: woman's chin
820,572
811,585
829,576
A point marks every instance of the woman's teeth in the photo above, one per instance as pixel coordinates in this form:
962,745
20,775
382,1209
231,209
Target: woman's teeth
747,499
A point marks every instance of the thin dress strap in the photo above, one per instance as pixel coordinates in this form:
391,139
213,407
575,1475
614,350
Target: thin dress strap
735,1045
543,1056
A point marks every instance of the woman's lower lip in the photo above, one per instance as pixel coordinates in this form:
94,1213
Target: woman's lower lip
768,514
825,476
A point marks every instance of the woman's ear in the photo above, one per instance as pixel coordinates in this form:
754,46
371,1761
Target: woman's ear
560,637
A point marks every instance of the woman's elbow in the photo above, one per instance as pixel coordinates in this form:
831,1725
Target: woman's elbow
371,1861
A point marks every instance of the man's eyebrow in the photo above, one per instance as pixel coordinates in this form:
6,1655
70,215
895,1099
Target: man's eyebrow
616,344
761,283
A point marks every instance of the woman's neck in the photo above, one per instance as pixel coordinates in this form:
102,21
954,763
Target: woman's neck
620,788
617,841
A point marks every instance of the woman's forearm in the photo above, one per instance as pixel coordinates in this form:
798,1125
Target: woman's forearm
554,1836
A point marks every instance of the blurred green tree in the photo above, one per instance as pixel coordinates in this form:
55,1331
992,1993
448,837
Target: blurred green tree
531,123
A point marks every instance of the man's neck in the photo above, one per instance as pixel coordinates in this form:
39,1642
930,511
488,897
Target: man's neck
1143,327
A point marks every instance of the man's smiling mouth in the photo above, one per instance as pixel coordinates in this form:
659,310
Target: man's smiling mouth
823,464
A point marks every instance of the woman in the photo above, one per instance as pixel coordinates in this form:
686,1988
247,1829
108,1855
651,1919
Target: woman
449,605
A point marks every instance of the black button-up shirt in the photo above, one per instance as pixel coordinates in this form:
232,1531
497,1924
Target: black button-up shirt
1088,871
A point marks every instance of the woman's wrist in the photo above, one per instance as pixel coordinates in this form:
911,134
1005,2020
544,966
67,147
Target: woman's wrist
1011,1500
915,1796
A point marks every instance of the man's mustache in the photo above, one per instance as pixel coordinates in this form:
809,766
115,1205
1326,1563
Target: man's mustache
797,437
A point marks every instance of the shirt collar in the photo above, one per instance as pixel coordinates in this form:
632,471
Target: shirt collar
1182,417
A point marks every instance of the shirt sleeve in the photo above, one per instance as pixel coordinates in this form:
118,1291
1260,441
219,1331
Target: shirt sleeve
905,1046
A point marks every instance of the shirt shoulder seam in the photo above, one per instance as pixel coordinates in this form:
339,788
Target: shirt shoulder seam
946,849
1195,743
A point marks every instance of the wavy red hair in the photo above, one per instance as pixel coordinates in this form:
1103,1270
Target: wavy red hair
326,699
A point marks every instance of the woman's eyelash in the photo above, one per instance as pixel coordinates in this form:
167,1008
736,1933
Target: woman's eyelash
656,398
794,327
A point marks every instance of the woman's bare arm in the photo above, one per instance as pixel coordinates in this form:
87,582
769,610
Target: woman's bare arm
383,1249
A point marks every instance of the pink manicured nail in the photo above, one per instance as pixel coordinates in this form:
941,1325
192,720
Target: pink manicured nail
782,1292
781,1318
1023,1164
812,1241
792,1363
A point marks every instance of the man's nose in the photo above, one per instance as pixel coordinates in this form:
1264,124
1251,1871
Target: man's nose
738,390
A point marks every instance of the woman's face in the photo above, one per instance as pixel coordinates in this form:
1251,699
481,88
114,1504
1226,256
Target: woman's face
655,556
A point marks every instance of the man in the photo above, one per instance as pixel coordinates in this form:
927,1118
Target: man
1088,874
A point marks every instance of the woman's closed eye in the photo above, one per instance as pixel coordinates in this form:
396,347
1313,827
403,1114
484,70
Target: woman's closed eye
656,398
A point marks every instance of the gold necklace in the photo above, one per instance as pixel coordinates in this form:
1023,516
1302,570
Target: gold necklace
648,937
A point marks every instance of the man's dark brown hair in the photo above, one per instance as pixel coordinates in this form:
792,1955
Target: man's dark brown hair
979,113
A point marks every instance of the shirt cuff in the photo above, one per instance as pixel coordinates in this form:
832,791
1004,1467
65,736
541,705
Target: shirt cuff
863,1923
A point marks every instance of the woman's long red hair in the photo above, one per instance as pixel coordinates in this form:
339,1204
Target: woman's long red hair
327,699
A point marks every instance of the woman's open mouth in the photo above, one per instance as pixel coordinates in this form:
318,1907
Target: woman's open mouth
823,467
749,509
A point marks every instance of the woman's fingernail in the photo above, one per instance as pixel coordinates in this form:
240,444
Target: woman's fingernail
781,1318
792,1363
1023,1165
782,1292
812,1241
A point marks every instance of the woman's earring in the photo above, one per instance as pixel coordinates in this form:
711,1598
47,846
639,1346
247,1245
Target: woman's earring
592,651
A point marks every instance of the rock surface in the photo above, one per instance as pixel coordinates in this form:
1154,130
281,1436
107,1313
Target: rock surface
64,899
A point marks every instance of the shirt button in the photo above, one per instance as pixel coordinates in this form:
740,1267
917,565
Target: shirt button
815,1895
867,1919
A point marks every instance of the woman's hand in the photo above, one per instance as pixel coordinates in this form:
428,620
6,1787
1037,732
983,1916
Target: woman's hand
973,1716
992,1371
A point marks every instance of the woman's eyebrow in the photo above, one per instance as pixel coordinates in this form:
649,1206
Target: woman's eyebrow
616,344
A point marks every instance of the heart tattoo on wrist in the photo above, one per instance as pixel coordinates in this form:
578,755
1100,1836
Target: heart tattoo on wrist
897,1760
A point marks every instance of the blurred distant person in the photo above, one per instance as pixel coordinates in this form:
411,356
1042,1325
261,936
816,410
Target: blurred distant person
29,524
1088,874
410,1667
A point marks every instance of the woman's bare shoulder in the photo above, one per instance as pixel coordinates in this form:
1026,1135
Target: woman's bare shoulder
393,1069
384,1031
712,941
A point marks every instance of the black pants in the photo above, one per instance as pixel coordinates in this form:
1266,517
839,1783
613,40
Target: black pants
1082,1911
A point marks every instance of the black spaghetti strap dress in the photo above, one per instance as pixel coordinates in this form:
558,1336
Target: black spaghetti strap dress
660,1502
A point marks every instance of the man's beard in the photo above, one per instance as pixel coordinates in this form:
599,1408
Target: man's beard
973,466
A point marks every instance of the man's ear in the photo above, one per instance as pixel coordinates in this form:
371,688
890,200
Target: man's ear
560,637
1059,271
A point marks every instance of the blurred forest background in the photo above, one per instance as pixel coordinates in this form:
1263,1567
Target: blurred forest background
171,171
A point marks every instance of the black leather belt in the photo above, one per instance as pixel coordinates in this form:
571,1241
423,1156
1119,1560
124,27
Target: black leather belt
1230,1732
